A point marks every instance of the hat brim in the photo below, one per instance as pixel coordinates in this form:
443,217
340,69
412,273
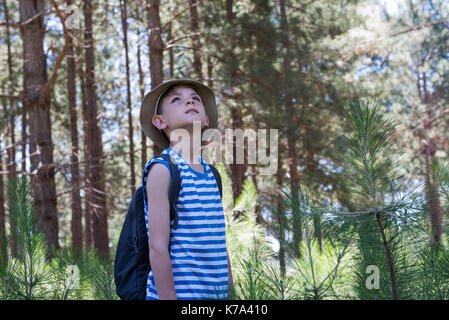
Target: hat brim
152,97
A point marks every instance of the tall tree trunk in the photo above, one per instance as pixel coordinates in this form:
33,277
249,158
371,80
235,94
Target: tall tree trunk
432,184
24,137
280,217
124,16
254,174
97,179
237,170
88,242
428,150
11,151
290,120
432,197
3,243
142,95
35,80
11,166
156,50
195,28
11,169
76,223
171,54
209,71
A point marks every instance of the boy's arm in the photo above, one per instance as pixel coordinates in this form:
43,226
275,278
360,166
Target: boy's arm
159,227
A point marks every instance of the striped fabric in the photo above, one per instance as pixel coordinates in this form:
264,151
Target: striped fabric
198,246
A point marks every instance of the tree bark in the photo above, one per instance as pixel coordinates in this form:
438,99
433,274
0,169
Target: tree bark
428,150
291,136
88,242
194,26
156,50
95,146
35,80
3,242
11,164
76,223
209,72
124,16
24,137
280,217
237,170
171,54
11,169
142,95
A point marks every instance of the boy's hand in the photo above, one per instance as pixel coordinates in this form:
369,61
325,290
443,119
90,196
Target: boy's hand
159,229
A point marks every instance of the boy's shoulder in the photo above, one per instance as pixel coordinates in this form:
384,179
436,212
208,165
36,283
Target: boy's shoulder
161,160
158,172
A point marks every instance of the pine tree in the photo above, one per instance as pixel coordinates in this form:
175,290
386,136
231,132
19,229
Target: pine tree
156,48
25,277
76,224
124,15
37,96
95,146
3,242
387,208
194,26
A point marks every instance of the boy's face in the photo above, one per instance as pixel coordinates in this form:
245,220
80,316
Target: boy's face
180,108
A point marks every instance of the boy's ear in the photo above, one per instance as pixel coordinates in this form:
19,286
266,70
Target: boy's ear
206,122
158,122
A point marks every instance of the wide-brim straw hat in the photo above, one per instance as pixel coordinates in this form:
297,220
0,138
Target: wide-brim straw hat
152,98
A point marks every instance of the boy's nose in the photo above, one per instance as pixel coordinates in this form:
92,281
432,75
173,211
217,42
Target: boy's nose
190,101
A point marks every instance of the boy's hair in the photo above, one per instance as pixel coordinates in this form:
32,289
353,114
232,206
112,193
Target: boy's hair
159,107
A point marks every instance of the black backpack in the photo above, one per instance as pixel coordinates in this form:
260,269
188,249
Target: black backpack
132,260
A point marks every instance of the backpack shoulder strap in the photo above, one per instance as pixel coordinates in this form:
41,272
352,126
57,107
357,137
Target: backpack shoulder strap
175,185
217,179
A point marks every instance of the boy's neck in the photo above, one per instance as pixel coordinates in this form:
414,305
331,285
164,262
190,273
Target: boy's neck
189,145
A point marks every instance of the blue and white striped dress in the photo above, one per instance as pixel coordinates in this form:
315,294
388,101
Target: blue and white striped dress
198,246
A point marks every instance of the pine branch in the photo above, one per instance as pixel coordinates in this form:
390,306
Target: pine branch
410,29
389,258
61,56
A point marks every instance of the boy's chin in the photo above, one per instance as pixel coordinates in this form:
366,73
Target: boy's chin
191,123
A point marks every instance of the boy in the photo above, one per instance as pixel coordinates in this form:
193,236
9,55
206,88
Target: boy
196,266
